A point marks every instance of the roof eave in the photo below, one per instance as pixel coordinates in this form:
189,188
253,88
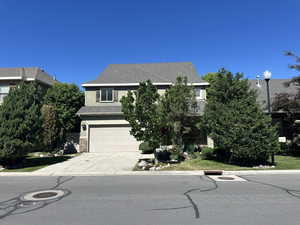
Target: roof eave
10,78
137,84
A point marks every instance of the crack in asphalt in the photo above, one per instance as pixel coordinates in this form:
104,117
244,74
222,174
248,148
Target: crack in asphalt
18,205
187,194
291,192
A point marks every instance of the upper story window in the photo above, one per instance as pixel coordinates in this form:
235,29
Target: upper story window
200,93
3,92
105,95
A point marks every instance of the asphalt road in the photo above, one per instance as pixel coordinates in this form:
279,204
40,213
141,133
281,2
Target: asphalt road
152,200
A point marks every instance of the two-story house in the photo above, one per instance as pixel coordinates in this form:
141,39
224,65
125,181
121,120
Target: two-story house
10,77
103,127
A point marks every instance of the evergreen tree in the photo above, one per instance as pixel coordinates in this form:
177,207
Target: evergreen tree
50,129
242,133
20,121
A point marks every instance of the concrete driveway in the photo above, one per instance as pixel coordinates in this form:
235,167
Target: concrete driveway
94,163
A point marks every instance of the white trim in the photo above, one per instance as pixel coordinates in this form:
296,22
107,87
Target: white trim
10,78
137,84
29,79
199,84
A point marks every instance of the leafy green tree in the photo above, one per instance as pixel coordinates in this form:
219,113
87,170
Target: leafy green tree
210,77
177,105
66,99
50,129
140,108
20,122
242,133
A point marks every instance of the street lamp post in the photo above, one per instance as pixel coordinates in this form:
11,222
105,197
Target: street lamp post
267,76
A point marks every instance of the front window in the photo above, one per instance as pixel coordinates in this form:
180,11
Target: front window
200,93
106,94
3,92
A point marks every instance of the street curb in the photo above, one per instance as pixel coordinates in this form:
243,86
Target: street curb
153,173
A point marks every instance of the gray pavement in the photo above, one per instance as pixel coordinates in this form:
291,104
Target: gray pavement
172,200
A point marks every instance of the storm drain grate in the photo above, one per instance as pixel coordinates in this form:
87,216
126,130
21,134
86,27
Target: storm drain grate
43,195
227,178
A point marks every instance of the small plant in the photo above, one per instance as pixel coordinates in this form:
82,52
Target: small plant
208,153
146,148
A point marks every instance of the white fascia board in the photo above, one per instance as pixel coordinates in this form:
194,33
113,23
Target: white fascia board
199,84
137,84
30,79
10,78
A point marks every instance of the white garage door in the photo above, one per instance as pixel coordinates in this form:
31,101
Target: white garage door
112,138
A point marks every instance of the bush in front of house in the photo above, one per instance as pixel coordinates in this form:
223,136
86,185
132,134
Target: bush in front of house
291,148
13,152
208,153
146,148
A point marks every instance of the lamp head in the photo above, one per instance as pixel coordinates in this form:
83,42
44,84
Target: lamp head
267,75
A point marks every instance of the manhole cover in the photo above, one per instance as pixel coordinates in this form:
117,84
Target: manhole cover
43,195
226,178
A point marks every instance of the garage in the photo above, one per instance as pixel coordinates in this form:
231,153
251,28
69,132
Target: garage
111,138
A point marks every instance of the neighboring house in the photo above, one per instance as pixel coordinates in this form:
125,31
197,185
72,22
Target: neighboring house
103,127
276,87
10,77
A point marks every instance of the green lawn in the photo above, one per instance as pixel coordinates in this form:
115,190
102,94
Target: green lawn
33,163
282,163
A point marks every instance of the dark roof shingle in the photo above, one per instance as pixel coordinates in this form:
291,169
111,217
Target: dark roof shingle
27,73
156,72
100,110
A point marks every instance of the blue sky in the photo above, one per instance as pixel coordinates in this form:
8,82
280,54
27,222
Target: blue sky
76,40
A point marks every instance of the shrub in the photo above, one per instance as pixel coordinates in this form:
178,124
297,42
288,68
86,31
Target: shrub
13,152
146,148
293,149
162,156
208,153
189,148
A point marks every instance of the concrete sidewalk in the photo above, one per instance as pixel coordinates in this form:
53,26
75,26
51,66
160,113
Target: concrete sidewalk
146,173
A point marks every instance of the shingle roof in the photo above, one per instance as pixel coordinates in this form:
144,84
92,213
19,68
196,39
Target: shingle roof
276,87
156,72
28,73
117,110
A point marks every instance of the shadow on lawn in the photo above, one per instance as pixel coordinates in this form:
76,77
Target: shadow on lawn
33,163
44,161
